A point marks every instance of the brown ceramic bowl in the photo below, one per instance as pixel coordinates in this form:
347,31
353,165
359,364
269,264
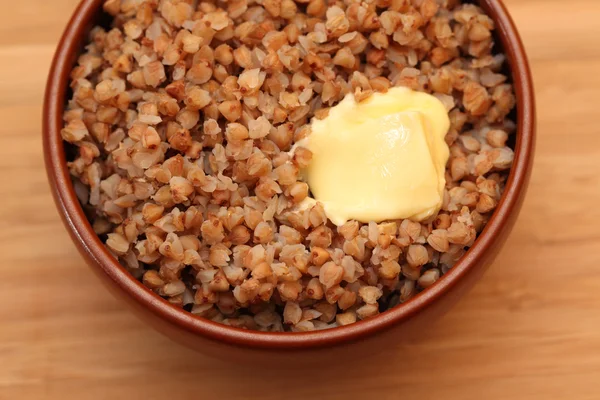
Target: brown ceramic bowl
206,335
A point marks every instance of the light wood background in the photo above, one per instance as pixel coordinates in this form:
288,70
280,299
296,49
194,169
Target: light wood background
529,330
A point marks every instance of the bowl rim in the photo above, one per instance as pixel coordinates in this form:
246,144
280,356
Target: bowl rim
100,259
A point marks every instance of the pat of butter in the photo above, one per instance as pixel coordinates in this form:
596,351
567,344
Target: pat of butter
383,158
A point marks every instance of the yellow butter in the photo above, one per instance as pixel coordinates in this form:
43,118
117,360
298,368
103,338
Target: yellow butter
383,158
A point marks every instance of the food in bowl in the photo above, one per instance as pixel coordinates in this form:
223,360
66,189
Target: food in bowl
188,120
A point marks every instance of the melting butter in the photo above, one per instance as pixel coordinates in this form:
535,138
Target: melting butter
383,158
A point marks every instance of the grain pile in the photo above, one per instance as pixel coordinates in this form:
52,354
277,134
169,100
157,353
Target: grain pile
183,116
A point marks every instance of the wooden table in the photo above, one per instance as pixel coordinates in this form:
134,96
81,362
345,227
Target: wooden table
529,330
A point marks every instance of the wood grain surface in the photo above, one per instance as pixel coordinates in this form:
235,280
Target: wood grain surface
529,330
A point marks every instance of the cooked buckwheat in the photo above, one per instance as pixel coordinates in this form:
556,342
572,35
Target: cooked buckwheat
182,116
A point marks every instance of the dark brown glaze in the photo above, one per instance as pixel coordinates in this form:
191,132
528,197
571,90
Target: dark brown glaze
215,338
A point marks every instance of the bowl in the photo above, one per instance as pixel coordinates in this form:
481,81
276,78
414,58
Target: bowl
401,321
